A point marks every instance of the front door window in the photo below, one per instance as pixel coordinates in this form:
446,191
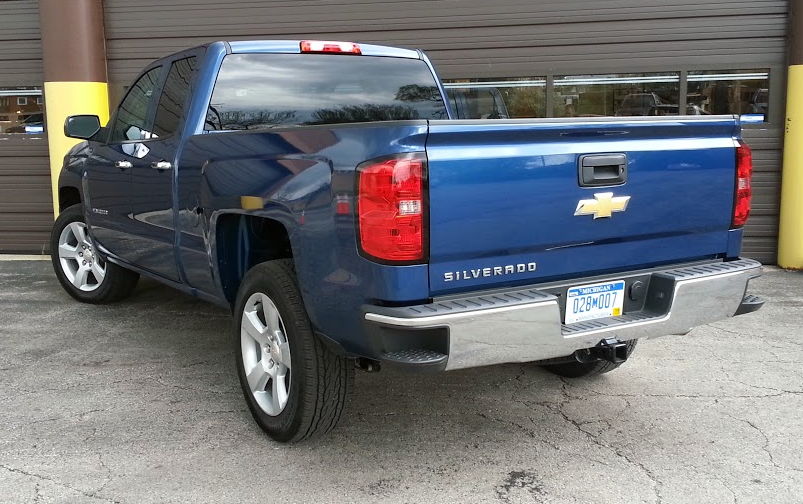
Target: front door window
132,116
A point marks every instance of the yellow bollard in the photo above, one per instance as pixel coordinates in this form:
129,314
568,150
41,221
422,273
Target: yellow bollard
790,234
65,99
74,56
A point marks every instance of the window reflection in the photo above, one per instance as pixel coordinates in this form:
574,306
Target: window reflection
617,95
22,111
742,92
497,98
174,94
258,91
131,118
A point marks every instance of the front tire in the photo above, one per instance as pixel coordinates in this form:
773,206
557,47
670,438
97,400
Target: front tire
295,387
80,269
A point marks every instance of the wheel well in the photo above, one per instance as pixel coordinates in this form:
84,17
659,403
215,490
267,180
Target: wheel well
68,196
243,241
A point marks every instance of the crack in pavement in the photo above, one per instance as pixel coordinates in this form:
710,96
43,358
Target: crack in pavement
779,392
656,483
89,495
728,488
88,384
185,387
759,387
761,337
530,433
91,435
110,475
765,447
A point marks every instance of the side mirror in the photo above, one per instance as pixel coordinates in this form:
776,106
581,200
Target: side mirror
82,127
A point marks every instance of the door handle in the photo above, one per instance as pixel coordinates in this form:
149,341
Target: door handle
597,170
161,165
123,165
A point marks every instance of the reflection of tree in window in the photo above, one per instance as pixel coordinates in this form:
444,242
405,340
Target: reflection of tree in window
258,91
363,113
134,108
525,101
417,93
248,120
176,88
718,98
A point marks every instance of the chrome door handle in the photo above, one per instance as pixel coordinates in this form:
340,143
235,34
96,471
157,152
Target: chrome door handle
161,165
123,165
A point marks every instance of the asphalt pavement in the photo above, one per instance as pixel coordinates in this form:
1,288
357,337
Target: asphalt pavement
138,402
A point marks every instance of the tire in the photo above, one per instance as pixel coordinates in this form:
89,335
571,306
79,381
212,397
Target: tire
81,271
585,369
290,398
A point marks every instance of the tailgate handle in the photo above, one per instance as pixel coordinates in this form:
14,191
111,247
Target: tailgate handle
602,170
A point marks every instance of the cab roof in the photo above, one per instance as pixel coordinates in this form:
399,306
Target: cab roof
294,47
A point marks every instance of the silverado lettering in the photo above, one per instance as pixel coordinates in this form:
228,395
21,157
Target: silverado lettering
450,276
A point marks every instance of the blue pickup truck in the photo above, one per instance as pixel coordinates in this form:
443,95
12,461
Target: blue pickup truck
326,194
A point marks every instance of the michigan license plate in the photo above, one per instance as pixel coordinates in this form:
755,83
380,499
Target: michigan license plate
589,302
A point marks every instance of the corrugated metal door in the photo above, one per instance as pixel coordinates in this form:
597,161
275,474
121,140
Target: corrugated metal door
506,38
26,208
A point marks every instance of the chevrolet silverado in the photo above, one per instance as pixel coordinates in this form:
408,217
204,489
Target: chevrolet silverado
326,194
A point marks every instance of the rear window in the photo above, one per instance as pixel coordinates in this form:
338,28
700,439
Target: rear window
260,91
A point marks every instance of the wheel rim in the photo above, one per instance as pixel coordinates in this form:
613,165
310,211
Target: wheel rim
84,269
265,354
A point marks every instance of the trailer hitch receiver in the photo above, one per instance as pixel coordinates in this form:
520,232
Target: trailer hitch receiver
611,350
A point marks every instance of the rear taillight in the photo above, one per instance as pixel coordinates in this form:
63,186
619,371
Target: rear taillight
744,194
390,209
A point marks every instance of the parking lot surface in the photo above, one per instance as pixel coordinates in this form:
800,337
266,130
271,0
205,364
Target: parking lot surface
138,402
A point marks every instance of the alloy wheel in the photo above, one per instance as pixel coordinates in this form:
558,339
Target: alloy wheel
265,353
78,258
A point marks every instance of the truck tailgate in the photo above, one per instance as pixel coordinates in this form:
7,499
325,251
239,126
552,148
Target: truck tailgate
504,197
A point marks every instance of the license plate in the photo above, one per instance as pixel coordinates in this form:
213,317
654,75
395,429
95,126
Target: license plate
589,302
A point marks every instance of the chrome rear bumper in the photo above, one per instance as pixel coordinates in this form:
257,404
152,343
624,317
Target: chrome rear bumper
524,325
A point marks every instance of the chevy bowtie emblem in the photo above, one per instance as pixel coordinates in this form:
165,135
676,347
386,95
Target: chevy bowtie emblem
603,205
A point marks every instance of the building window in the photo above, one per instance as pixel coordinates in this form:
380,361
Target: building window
503,98
741,92
616,95
21,111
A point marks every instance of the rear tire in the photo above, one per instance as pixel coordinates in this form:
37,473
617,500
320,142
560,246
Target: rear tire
584,369
81,271
294,385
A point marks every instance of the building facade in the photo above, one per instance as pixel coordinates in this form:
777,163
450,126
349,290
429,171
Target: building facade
508,58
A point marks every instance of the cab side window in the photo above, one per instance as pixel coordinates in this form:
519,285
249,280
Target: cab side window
171,103
132,116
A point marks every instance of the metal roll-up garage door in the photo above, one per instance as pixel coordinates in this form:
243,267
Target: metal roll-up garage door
509,39
26,208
